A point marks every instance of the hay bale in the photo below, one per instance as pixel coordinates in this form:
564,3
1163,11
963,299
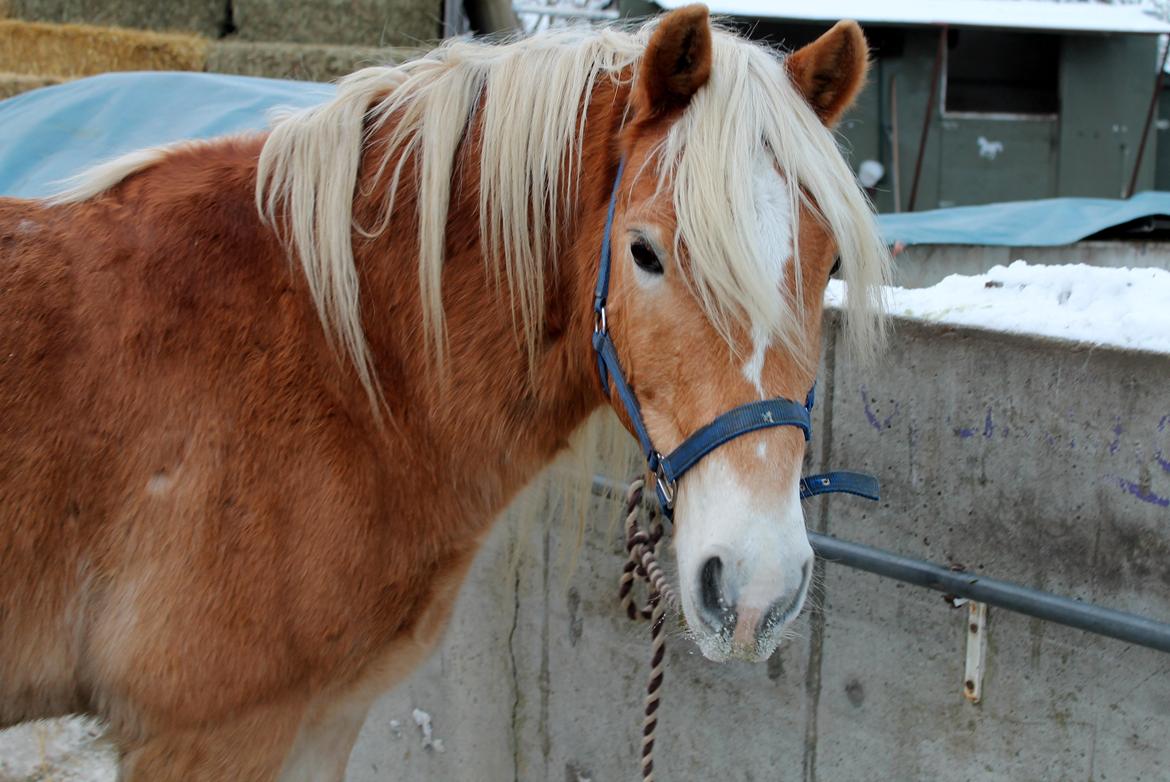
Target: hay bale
76,50
206,17
351,22
308,62
16,83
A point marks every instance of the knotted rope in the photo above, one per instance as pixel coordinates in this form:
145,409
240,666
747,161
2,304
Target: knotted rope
642,565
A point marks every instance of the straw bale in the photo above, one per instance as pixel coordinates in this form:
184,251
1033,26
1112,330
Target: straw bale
207,17
352,22
309,62
77,50
15,83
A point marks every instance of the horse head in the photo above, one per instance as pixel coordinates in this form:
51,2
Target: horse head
734,209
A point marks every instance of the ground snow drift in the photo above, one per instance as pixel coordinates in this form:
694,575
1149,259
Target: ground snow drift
1128,308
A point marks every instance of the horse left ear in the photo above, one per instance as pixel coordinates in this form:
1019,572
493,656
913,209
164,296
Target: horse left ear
831,70
677,61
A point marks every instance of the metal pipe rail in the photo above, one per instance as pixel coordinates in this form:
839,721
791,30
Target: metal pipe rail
1091,618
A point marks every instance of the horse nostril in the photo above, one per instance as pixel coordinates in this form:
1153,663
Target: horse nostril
711,587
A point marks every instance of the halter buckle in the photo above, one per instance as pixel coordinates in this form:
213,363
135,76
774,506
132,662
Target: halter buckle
599,324
665,487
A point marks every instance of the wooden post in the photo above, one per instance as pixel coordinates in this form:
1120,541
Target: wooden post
491,16
930,102
1137,165
894,141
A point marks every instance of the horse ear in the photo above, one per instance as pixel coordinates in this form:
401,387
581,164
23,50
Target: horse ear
677,61
830,71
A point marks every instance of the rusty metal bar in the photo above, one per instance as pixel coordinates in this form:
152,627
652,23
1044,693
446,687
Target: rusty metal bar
926,119
1137,165
1091,618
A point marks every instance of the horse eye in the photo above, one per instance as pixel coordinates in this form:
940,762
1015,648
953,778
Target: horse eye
645,257
836,267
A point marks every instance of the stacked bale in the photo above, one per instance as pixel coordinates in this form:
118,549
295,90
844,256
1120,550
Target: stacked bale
307,62
71,50
204,17
346,22
45,41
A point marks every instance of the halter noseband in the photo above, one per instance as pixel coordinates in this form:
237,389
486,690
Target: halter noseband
669,469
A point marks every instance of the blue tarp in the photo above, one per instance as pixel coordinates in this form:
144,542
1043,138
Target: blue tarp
51,134
1046,222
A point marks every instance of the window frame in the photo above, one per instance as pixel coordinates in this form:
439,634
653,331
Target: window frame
1000,116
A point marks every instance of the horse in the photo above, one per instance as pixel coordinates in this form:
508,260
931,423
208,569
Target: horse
264,395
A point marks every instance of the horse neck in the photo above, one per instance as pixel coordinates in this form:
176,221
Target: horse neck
492,417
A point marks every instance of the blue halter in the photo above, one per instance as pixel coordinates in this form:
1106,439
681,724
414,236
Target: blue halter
668,470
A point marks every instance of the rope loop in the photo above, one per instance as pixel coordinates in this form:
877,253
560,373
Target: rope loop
642,564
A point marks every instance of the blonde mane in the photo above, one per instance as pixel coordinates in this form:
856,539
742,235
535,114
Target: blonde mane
527,96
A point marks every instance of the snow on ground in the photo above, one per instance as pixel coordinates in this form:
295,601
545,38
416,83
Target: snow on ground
67,750
1127,308
72,749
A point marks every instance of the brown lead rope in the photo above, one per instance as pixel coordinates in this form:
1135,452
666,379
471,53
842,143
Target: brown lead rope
642,564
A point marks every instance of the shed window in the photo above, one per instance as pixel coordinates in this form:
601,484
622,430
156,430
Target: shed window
992,72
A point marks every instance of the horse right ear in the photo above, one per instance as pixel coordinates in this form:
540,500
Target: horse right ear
677,62
831,70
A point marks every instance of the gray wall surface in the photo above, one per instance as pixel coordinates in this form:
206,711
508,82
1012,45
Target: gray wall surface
1031,460
920,266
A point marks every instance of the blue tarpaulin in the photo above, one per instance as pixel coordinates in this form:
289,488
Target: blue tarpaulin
1046,222
51,134
54,133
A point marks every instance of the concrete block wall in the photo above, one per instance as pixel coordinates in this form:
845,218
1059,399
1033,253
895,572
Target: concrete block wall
924,265
1026,459
1031,460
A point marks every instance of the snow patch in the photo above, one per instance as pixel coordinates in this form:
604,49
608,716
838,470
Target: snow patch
1125,308
65,750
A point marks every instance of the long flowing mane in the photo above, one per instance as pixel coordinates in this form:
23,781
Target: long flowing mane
519,96
529,99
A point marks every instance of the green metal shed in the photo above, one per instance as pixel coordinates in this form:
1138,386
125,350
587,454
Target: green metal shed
1032,99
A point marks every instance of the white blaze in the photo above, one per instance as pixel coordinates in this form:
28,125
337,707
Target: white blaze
774,220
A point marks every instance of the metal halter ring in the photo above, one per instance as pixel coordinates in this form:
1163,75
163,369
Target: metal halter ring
599,324
665,487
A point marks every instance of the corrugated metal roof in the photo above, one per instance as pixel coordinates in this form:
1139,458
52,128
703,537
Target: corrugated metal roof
1001,14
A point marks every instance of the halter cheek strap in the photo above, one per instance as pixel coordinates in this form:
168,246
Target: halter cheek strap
765,414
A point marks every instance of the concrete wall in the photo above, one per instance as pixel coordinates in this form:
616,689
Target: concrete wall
920,266
1029,460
